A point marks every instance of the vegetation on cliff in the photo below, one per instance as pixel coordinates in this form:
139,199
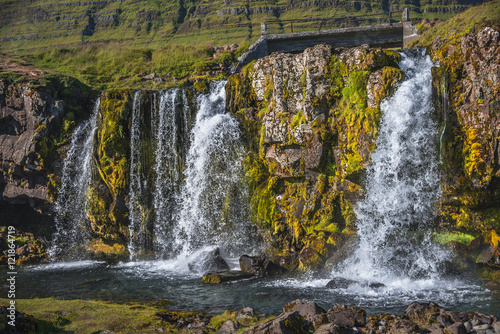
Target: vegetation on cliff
310,128
466,85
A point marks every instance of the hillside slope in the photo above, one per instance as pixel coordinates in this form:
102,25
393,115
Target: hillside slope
31,25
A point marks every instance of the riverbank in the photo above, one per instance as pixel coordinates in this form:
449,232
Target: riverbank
48,315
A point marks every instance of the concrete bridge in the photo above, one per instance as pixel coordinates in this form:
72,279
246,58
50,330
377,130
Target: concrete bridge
387,35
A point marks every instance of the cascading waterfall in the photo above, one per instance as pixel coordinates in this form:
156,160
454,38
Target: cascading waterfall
198,191
137,183
402,187
213,203
170,141
71,204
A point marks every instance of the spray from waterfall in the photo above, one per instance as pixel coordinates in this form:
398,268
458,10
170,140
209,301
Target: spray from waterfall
402,187
72,234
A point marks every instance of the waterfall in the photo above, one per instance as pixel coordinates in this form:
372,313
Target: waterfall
197,195
213,202
402,187
170,152
71,222
137,183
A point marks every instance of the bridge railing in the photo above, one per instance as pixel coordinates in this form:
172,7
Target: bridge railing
311,24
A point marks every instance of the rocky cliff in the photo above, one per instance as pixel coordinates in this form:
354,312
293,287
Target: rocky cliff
467,89
311,121
36,121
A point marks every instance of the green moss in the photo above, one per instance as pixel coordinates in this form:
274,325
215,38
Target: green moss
298,119
444,238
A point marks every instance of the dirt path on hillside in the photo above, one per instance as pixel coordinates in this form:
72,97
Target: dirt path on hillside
10,64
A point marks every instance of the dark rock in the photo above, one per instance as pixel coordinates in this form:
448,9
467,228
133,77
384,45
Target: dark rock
457,328
229,327
209,261
218,277
305,308
286,323
260,266
346,316
340,283
376,285
444,321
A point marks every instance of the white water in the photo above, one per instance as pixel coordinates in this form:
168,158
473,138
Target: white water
71,205
168,168
401,191
213,200
136,182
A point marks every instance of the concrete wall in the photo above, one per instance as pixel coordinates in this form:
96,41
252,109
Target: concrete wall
396,35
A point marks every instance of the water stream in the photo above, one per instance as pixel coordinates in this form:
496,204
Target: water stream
72,235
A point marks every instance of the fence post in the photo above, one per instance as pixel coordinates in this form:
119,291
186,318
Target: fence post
389,17
263,29
291,27
406,15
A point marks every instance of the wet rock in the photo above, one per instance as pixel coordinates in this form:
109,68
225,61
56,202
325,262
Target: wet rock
209,261
218,277
341,254
340,283
346,316
284,324
305,308
260,266
229,327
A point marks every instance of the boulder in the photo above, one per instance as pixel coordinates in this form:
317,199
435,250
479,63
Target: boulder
305,308
245,316
286,323
229,327
423,314
457,328
260,266
340,283
217,277
346,316
209,261
328,329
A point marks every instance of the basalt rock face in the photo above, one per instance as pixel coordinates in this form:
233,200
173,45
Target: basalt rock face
467,87
311,122
35,125
36,120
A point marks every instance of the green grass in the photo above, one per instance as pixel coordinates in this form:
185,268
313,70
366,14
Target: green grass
110,66
474,18
88,316
444,238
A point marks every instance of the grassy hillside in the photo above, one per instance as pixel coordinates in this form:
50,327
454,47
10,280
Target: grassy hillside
28,26
110,44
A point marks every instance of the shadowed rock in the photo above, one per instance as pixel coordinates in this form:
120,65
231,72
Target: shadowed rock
217,277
